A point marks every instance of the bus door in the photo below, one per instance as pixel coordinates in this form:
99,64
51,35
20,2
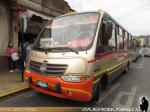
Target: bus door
104,59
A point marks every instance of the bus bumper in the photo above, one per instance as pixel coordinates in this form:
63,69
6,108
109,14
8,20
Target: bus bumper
59,88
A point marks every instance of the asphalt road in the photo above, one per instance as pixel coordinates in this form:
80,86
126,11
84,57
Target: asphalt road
125,91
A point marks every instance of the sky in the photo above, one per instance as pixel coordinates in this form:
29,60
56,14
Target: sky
134,15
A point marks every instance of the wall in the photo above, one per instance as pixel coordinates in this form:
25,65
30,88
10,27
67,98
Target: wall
15,21
4,34
48,7
4,28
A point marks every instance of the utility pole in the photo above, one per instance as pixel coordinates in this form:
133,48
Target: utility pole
22,15
22,41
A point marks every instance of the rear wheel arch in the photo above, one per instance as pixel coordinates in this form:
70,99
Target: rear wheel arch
127,67
104,81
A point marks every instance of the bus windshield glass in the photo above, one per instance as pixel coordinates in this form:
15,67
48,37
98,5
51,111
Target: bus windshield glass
75,32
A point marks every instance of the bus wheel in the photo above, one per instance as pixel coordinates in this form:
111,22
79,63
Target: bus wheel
126,68
104,82
96,97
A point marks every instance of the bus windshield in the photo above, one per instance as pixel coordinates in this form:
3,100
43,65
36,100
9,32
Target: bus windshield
75,32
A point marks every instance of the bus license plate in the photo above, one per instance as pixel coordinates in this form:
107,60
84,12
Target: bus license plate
42,84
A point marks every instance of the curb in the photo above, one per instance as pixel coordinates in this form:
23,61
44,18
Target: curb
14,89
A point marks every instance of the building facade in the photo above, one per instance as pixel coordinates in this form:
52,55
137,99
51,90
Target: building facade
10,12
144,40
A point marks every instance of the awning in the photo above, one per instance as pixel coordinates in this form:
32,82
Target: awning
30,13
33,27
33,21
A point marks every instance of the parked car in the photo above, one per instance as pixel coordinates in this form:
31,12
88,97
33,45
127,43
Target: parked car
147,51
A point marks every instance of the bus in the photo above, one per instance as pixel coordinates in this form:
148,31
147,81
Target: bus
146,51
77,55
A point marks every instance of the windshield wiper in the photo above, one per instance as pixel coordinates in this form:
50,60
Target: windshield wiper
71,49
43,48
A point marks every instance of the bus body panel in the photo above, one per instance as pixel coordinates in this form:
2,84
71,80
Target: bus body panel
74,91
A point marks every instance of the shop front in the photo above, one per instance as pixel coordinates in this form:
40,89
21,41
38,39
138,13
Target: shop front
20,23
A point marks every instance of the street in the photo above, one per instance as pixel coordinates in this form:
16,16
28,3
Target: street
125,91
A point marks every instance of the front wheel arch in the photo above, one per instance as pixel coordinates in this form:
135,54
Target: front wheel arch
101,85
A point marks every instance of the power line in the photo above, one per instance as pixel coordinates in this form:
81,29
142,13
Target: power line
141,8
124,4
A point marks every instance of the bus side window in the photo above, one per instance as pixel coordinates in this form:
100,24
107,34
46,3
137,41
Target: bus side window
132,43
119,35
126,41
129,42
112,40
105,43
102,42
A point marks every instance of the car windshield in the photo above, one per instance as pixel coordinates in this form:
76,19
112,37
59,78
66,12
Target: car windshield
75,32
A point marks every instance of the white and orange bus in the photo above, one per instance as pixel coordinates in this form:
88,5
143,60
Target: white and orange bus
77,55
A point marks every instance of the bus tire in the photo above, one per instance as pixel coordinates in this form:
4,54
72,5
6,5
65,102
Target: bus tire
104,82
96,97
126,68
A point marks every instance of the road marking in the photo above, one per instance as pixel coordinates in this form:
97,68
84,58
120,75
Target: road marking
107,93
141,63
29,95
128,104
139,67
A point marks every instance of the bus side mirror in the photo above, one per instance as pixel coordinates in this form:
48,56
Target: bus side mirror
109,28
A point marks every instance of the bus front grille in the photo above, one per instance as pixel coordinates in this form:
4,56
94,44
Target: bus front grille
48,69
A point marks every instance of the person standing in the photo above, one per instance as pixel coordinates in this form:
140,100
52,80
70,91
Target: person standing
10,51
144,105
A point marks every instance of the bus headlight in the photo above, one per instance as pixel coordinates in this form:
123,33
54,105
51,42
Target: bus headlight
75,78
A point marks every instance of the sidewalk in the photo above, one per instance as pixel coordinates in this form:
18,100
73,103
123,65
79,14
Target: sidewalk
10,83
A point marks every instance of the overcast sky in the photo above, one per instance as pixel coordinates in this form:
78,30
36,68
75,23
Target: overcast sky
134,15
